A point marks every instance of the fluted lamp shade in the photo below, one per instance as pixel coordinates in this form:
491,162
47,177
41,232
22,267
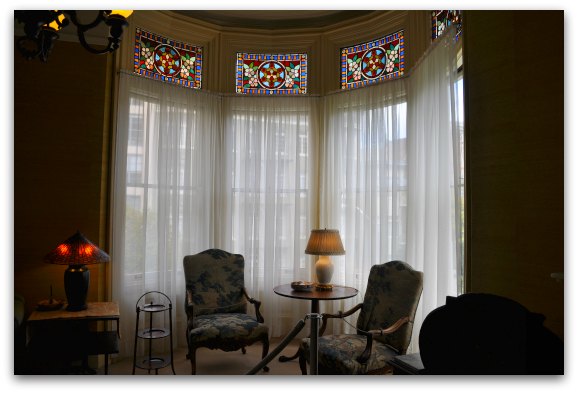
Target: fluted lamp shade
324,242
76,252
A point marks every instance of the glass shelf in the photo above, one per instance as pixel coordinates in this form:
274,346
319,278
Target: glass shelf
153,333
153,363
154,307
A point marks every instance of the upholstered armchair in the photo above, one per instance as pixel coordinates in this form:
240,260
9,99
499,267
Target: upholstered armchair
384,325
216,305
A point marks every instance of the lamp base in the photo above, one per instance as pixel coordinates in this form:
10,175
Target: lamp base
323,287
76,279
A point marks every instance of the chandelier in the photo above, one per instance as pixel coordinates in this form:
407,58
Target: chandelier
41,29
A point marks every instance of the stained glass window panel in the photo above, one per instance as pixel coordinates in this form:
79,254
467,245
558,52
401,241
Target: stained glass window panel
271,74
170,61
441,19
373,61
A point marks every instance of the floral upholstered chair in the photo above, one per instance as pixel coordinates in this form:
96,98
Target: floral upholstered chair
384,325
216,305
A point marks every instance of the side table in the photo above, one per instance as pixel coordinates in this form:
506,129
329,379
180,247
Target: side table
338,292
67,335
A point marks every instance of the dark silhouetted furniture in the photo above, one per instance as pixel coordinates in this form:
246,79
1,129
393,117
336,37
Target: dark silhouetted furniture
480,333
384,325
216,305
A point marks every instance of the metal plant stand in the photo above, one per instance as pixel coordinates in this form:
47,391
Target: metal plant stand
153,303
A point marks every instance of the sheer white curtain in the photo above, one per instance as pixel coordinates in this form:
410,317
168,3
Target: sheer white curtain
434,168
167,166
270,174
364,181
391,185
196,170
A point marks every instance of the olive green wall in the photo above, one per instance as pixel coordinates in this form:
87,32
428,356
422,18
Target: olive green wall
60,155
515,157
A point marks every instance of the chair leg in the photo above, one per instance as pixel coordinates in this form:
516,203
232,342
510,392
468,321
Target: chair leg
265,352
243,350
193,358
302,362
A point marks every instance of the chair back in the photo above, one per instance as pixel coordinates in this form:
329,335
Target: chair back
393,292
216,279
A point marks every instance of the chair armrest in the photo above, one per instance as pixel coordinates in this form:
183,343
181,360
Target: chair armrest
257,305
364,357
340,314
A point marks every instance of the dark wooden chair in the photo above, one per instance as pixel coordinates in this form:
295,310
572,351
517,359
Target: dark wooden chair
216,305
480,333
384,325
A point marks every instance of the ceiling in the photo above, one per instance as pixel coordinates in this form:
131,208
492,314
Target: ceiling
274,19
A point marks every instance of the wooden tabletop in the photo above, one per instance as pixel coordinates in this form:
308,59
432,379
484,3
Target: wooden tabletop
95,310
338,292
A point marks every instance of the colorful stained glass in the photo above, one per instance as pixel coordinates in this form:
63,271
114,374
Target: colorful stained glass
170,61
281,74
442,19
373,61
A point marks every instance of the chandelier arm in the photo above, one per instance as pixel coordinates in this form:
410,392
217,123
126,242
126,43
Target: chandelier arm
41,31
109,48
84,27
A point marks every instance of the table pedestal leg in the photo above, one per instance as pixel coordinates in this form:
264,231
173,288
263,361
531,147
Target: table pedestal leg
314,310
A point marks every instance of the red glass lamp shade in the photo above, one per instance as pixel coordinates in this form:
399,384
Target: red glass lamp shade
76,252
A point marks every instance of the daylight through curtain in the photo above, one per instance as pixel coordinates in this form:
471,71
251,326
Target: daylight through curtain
254,175
270,187
167,161
364,181
434,170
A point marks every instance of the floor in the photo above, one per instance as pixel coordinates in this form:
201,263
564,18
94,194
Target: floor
214,362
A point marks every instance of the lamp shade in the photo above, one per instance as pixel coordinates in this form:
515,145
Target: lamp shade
325,242
56,24
76,250
123,13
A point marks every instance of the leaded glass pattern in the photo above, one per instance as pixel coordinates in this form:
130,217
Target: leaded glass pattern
271,74
373,61
441,19
161,58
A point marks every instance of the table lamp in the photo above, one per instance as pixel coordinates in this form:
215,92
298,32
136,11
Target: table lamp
324,242
76,252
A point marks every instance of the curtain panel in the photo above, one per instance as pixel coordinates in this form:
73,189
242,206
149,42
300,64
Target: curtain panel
363,173
434,162
167,166
271,177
